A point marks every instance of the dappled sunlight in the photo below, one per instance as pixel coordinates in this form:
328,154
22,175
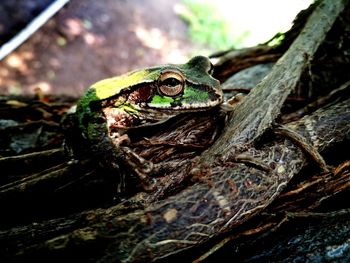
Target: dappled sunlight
74,26
176,55
93,39
152,37
14,61
18,62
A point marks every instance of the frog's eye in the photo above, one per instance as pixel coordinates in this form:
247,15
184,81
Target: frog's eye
171,83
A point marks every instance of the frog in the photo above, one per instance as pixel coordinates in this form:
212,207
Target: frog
112,107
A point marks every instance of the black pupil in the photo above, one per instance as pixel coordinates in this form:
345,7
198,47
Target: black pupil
171,82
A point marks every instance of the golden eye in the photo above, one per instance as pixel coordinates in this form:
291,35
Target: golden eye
171,83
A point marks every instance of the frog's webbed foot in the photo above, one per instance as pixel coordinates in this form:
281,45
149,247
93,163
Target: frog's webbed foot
139,165
304,145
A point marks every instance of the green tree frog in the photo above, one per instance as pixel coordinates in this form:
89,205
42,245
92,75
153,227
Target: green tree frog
111,107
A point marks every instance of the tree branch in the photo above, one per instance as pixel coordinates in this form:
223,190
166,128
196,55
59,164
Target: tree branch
260,108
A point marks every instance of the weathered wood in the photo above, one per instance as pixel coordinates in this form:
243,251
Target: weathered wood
261,107
160,227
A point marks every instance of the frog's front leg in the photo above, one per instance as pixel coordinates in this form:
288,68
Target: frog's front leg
111,148
141,167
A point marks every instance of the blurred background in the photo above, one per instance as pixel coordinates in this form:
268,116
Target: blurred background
90,40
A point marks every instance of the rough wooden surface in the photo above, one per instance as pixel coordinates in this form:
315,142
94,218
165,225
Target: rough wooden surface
262,106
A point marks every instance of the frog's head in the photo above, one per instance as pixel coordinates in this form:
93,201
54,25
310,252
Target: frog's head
187,87
155,94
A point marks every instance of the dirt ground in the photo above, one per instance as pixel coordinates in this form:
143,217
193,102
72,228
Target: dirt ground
91,40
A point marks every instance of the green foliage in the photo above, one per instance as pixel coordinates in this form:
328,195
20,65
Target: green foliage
207,25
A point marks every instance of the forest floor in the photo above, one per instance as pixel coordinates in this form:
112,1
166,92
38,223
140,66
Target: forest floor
91,40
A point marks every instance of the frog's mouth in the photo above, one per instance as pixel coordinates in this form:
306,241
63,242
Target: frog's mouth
175,110
153,116
128,118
